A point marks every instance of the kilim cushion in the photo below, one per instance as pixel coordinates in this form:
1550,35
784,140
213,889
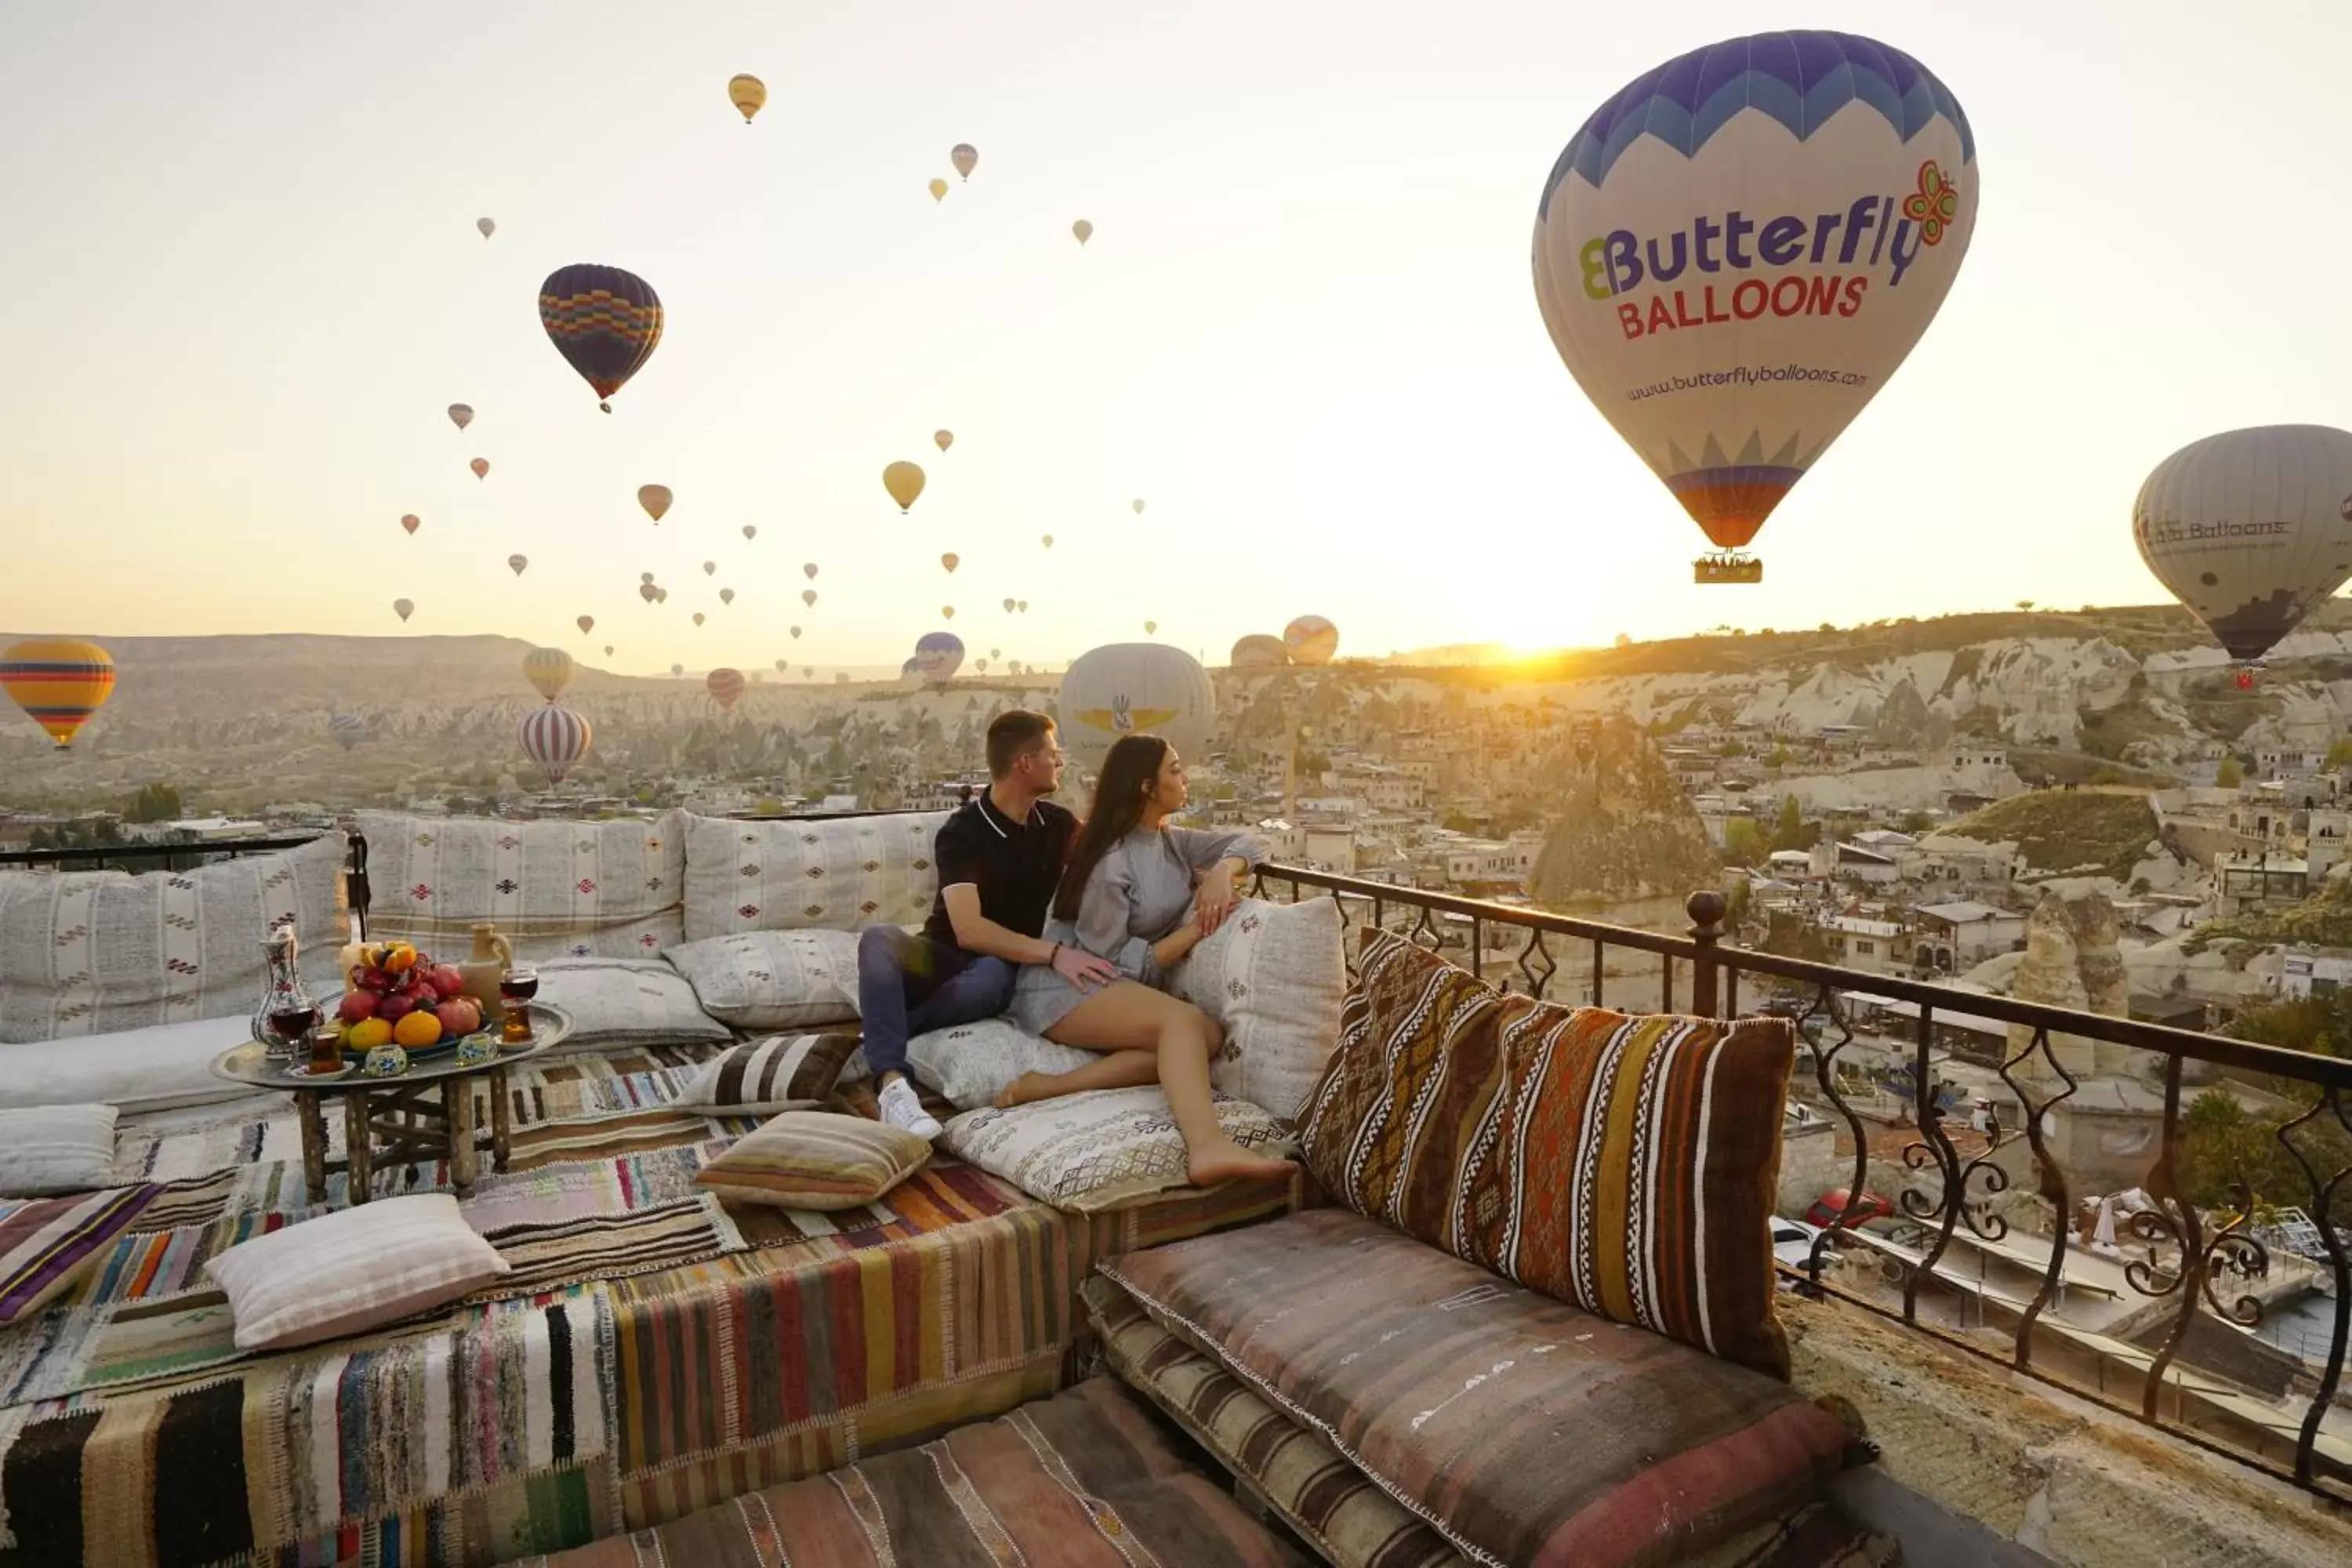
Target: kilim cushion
1274,975
1625,1164
773,979
355,1269
779,1072
47,1244
816,1159
56,1149
844,874
98,952
1101,1148
1521,1429
556,889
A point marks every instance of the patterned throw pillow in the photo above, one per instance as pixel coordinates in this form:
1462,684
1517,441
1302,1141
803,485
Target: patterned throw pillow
845,873
1099,1150
632,1001
554,888
1274,975
773,979
97,952
47,1244
56,1148
759,1077
353,1270
1625,1164
816,1159
971,1064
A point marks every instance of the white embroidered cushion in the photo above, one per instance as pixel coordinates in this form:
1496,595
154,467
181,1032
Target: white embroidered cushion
971,1064
56,1149
1099,1150
845,873
1274,975
635,1001
353,1270
773,979
554,888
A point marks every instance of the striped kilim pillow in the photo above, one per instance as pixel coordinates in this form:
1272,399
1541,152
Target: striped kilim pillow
816,1159
774,1073
1623,1164
45,1245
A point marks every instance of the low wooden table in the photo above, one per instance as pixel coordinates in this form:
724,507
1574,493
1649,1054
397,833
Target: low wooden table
425,1113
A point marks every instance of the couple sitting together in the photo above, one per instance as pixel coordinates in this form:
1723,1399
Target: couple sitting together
1128,897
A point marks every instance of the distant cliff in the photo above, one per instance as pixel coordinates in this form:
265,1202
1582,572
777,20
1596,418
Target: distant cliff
1627,832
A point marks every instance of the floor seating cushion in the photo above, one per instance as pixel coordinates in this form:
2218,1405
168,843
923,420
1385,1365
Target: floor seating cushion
1274,975
556,889
155,1069
1101,1149
1520,1429
773,979
1084,1480
626,1002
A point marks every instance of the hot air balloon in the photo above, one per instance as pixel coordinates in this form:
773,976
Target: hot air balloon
748,94
796,633
1021,605
981,665
604,322
910,673
950,561
726,595
1310,639
410,522
586,624
1259,651
725,686
996,653
481,467
938,655
904,482
59,682
808,596
1008,606
947,612
644,576
2249,529
608,650
943,439
964,156
654,498
781,667
750,532
808,570
1135,688
711,568
515,563
648,592
460,415
403,608
487,226
555,737
698,617
1083,230
939,189
346,730
661,595
1047,540
676,670
549,671
1150,628
1139,507
1790,205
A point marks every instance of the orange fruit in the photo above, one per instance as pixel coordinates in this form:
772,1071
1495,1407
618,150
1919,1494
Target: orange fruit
370,1032
418,1028
399,961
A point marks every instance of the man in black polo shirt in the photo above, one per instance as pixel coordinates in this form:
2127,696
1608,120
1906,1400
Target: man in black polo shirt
999,858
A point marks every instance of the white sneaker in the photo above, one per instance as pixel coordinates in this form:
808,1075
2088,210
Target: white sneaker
900,1108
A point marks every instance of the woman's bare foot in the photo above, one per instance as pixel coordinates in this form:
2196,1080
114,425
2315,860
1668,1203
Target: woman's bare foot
1226,1161
1029,1086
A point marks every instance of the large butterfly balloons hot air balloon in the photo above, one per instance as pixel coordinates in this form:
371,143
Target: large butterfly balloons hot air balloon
555,737
549,671
965,157
748,93
1135,688
725,685
460,415
654,498
606,323
1735,251
2249,529
1260,652
1310,639
938,655
904,482
59,682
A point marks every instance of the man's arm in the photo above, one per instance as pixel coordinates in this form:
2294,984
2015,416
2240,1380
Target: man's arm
975,932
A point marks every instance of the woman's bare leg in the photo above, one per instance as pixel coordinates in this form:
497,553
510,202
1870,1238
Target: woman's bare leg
1125,1017
1120,1070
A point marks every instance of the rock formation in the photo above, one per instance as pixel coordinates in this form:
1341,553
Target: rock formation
2072,959
1628,833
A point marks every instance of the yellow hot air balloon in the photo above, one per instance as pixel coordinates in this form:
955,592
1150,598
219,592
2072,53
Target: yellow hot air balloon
1083,230
904,482
460,415
661,595
1150,628
1049,542
549,671
964,156
943,439
939,190
515,563
947,612
748,93
654,498
950,561
481,467
59,682
487,226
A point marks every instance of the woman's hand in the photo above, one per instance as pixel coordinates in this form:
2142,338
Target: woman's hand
1215,900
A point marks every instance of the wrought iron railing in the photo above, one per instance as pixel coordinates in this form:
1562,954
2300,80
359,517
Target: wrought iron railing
2189,1256
179,856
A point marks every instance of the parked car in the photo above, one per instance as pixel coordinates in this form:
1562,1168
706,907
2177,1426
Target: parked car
1792,1241
1873,1206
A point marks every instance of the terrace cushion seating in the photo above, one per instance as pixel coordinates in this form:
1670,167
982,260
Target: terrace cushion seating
773,979
841,874
556,889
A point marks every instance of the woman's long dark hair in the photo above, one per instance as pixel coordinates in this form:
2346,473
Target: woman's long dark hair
1128,775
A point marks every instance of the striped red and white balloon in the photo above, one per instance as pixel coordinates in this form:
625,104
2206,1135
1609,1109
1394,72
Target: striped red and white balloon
555,738
725,686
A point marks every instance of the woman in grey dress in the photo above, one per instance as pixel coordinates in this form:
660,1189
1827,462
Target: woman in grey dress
1141,894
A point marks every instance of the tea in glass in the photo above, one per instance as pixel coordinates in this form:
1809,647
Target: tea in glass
326,1050
516,989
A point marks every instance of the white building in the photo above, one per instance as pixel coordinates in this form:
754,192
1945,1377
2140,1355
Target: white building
1859,943
2316,971
1970,862
1852,862
1958,936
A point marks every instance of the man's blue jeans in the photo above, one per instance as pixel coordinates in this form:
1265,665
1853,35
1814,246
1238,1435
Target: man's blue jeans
908,984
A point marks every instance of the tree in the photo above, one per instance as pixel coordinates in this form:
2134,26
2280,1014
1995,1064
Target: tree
1917,823
2221,1144
2231,775
1789,833
1791,936
2025,604
2339,755
1744,843
155,802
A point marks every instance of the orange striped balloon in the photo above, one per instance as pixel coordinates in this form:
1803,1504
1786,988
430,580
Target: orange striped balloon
59,682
